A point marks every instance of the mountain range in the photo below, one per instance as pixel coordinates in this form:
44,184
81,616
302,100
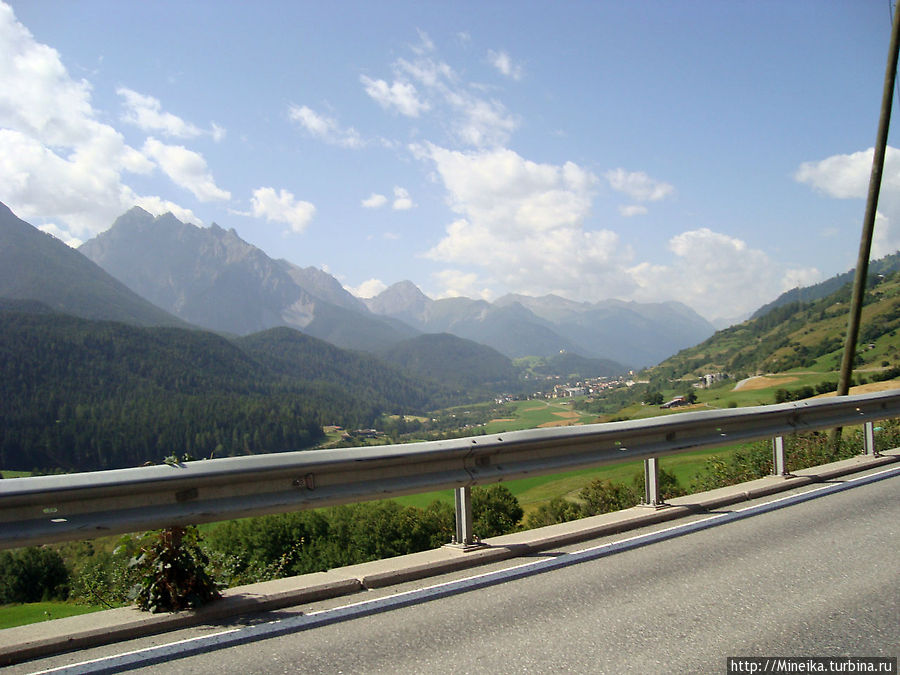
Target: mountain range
39,267
212,278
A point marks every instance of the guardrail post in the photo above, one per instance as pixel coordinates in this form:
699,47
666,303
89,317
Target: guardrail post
464,535
779,465
651,482
869,439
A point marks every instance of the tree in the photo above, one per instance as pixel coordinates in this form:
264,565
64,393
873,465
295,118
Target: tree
32,574
653,398
495,511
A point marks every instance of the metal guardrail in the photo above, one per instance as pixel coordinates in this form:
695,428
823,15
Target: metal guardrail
46,509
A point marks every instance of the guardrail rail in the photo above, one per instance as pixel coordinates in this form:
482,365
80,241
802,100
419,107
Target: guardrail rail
45,509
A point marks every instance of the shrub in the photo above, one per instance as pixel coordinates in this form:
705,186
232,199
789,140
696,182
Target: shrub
558,510
172,572
101,577
495,511
603,496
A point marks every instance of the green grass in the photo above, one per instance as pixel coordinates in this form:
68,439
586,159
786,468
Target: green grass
532,414
6,473
33,612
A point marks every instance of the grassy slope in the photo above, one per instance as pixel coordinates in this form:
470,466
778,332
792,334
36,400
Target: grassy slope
792,339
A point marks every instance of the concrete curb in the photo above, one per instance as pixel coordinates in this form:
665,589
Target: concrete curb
38,640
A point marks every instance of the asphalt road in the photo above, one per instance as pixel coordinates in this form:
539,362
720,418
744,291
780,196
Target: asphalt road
813,579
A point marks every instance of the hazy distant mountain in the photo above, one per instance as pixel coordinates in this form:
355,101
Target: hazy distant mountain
517,325
512,331
629,332
323,286
214,279
403,301
37,266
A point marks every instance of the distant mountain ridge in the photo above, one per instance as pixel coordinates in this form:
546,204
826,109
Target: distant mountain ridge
518,325
214,279
37,266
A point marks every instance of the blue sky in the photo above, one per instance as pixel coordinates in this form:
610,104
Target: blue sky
715,153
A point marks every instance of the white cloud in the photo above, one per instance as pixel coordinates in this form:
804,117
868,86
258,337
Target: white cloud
800,277
400,96
56,159
503,63
522,226
425,43
456,284
886,238
158,206
61,234
402,201
282,207
483,123
187,169
847,177
638,185
146,113
374,201
717,275
471,118
325,128
633,210
368,289
841,176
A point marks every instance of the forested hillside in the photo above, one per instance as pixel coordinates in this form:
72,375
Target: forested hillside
572,365
80,395
459,364
296,356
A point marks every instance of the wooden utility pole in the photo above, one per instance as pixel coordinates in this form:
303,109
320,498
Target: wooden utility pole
865,244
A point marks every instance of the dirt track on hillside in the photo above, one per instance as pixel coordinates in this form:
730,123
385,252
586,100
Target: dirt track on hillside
762,382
